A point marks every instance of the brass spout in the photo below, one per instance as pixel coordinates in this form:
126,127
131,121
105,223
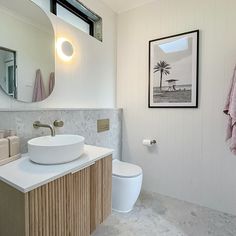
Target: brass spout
38,124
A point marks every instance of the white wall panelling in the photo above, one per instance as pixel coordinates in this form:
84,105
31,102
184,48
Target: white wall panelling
192,161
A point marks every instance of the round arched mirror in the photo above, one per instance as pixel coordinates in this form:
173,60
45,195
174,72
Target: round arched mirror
27,51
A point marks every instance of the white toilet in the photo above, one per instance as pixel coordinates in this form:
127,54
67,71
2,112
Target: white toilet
126,185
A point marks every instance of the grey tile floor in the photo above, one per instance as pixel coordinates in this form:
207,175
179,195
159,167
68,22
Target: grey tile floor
156,215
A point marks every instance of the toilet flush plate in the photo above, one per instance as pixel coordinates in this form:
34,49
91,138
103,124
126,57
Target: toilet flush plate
103,125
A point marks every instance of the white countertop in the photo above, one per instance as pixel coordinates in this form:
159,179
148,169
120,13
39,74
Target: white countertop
25,175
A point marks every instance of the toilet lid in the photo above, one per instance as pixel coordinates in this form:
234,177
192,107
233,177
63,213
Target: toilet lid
125,170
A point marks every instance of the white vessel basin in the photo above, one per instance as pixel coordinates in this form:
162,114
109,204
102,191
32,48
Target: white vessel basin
60,149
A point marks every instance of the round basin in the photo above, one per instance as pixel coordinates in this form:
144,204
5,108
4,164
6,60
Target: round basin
60,149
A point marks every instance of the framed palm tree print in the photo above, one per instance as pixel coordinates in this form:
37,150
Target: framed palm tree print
173,71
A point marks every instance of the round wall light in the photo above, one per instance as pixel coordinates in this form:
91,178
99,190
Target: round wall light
64,49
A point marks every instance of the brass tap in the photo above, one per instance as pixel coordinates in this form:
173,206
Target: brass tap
38,124
58,123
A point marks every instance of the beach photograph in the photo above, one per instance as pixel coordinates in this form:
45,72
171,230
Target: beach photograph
173,71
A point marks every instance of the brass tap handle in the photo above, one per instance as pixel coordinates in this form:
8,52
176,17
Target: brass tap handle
58,123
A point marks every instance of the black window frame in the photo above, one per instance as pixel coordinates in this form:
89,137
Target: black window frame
74,11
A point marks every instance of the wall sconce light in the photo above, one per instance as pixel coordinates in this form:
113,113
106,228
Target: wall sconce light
64,49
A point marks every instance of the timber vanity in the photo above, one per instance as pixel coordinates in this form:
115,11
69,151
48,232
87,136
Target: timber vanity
56,200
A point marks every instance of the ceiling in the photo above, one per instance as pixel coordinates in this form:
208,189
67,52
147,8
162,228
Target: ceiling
124,5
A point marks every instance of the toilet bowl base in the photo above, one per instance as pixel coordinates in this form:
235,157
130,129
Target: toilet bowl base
122,212
125,192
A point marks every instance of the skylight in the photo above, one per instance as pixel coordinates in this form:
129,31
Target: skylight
175,46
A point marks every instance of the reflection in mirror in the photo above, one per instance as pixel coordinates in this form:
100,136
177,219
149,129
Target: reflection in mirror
27,51
8,71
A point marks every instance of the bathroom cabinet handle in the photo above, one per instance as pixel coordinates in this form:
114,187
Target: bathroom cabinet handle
82,168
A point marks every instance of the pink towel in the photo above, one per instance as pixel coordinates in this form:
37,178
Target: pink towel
39,90
230,110
51,82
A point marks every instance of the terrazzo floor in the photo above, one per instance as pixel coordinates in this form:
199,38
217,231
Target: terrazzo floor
156,215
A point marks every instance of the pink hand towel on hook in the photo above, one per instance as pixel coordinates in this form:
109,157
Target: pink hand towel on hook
230,110
39,93
51,82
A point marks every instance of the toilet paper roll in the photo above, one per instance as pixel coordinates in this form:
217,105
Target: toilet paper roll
148,142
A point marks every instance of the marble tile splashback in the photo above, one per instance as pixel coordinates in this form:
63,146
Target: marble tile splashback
82,122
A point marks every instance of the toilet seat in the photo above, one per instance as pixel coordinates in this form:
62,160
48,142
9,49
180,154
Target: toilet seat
125,170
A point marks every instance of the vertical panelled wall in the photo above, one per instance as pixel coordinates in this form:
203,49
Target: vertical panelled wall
191,161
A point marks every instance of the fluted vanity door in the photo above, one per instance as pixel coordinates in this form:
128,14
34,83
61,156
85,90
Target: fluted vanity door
106,187
96,195
100,190
80,203
49,208
61,208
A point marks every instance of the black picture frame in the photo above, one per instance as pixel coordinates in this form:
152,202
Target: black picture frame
164,98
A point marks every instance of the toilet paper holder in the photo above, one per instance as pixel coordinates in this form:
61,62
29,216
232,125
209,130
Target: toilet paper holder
148,142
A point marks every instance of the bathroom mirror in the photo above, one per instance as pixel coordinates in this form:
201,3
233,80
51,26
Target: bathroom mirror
27,51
